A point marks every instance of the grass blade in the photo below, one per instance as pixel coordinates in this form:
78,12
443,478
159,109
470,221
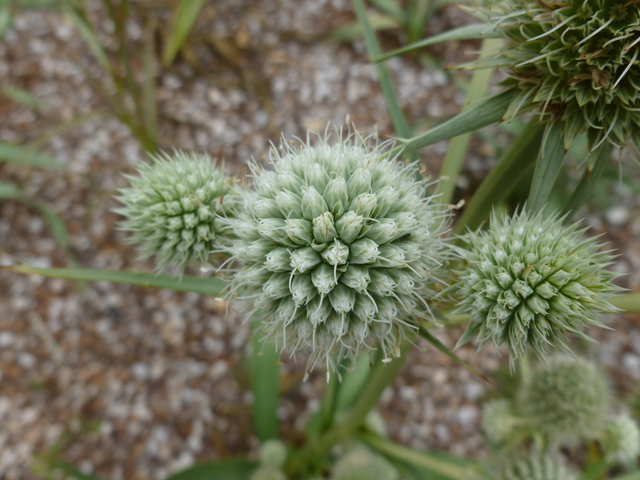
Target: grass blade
391,8
23,97
186,283
265,381
6,16
84,27
26,156
457,150
149,108
479,116
239,469
548,164
468,32
373,49
354,30
184,16
503,177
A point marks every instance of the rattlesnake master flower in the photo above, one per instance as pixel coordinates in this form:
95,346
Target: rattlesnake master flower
361,464
567,402
340,247
573,61
530,282
173,208
621,440
498,420
273,453
535,467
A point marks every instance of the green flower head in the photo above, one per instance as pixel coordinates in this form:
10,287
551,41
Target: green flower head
567,402
340,247
361,464
173,208
530,281
534,467
621,440
498,420
574,61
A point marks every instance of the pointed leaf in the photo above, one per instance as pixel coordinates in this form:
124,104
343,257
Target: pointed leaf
239,469
468,32
548,165
265,381
184,16
186,283
25,156
354,30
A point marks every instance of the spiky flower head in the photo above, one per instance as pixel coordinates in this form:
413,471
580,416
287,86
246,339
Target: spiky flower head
340,247
273,453
621,440
535,467
530,281
498,420
361,464
173,208
574,61
567,402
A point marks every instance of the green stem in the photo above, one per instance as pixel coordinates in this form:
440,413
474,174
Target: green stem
629,302
330,401
503,177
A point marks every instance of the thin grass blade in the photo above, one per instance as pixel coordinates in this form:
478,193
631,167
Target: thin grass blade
184,16
265,381
23,97
239,469
548,166
26,156
354,30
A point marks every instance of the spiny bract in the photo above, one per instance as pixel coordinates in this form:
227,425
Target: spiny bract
572,60
340,247
621,440
567,402
535,467
173,208
530,281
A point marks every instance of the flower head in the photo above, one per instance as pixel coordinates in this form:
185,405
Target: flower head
535,467
340,247
361,464
173,208
567,402
621,440
530,282
498,420
574,61
273,453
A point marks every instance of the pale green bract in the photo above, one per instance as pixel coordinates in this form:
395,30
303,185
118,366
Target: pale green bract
530,281
173,208
535,467
340,247
574,61
621,440
567,402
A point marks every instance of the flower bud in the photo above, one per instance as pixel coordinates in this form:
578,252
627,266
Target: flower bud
336,253
288,202
313,205
323,228
364,204
298,230
304,259
324,279
336,196
278,260
383,232
364,250
349,226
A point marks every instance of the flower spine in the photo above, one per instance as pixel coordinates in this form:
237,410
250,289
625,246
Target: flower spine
340,247
173,208
574,61
530,281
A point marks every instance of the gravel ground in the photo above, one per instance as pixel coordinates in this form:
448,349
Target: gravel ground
136,383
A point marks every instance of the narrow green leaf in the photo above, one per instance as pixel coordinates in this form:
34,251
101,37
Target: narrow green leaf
149,110
488,112
391,8
629,302
453,160
11,191
184,16
550,158
589,178
450,468
468,32
503,177
23,97
186,283
388,92
239,469
6,16
354,30
428,336
265,380
25,156
85,28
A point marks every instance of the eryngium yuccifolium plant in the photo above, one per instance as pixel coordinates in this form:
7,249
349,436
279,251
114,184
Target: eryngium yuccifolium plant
340,247
574,61
567,402
530,281
498,420
621,440
173,208
535,467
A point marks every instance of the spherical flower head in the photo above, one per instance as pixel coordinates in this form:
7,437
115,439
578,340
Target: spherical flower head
340,247
361,464
621,440
267,473
498,420
567,402
535,467
273,453
173,208
574,61
530,281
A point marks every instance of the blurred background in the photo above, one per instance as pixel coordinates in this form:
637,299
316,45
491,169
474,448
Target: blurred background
137,383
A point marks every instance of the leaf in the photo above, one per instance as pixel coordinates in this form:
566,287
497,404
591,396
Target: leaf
184,16
85,28
239,469
428,336
589,178
25,156
503,177
468,32
149,107
488,112
23,97
186,283
373,49
6,16
550,158
265,381
354,30
391,8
